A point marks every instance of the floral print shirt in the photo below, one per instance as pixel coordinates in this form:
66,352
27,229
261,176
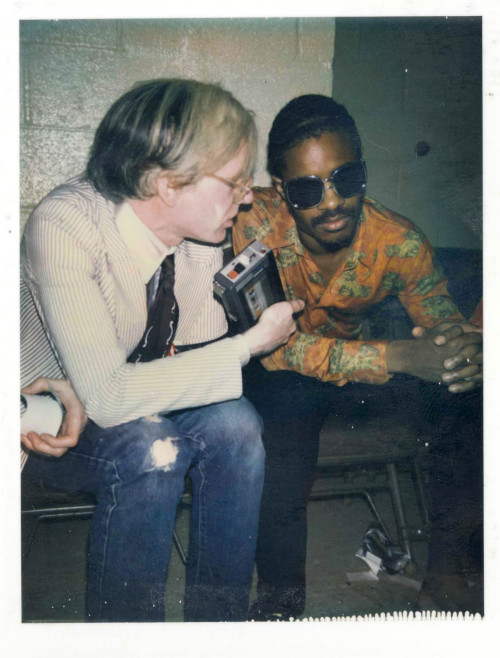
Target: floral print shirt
389,255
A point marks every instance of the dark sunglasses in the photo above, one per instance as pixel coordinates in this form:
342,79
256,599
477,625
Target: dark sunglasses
309,191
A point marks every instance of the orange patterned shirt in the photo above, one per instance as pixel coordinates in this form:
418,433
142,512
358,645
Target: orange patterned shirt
389,255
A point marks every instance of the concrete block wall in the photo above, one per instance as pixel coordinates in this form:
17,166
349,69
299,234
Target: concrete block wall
72,70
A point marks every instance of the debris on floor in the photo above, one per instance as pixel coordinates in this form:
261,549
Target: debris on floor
381,556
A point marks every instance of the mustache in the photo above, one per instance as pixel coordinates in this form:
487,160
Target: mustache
328,215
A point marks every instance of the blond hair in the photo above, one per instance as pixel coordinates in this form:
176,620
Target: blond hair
185,127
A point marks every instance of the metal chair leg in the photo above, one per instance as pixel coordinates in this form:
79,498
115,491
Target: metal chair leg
70,514
28,543
419,485
179,548
376,513
399,510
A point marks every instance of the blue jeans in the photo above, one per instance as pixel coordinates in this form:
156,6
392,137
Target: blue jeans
137,472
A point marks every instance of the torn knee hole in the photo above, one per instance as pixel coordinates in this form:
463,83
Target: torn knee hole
164,453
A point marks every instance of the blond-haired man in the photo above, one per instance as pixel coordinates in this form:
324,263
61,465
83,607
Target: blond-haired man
119,264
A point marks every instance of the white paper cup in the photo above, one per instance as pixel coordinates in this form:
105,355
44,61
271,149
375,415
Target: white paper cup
41,414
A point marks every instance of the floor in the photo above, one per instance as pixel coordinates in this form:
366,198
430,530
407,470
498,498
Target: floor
339,583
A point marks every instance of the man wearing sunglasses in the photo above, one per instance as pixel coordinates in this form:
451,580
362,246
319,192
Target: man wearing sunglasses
341,253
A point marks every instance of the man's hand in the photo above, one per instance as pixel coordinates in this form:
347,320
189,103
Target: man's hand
447,353
464,371
446,330
274,327
73,423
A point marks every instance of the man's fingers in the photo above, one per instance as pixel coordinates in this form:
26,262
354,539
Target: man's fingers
446,335
467,344
70,430
469,354
446,331
463,386
26,442
468,371
61,441
46,444
297,305
40,385
47,440
471,328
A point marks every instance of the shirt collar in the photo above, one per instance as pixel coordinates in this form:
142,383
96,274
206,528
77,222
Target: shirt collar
147,250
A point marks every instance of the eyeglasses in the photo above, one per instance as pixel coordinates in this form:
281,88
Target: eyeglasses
309,191
239,190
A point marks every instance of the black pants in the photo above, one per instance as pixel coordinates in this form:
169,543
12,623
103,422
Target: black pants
456,481
294,407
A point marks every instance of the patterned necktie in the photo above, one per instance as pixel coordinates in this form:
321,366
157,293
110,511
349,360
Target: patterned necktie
163,316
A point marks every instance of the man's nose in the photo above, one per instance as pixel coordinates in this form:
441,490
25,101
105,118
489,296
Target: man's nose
331,199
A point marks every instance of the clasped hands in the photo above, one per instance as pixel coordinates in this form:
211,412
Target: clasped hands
461,348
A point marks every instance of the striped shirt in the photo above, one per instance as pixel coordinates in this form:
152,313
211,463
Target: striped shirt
84,310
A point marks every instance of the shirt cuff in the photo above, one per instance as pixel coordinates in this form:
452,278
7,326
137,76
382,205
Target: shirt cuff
242,348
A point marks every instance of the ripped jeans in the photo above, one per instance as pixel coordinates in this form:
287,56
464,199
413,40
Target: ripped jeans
137,472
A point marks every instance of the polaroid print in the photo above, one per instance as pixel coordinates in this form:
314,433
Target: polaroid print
390,464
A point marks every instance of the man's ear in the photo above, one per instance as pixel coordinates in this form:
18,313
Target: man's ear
165,189
278,184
